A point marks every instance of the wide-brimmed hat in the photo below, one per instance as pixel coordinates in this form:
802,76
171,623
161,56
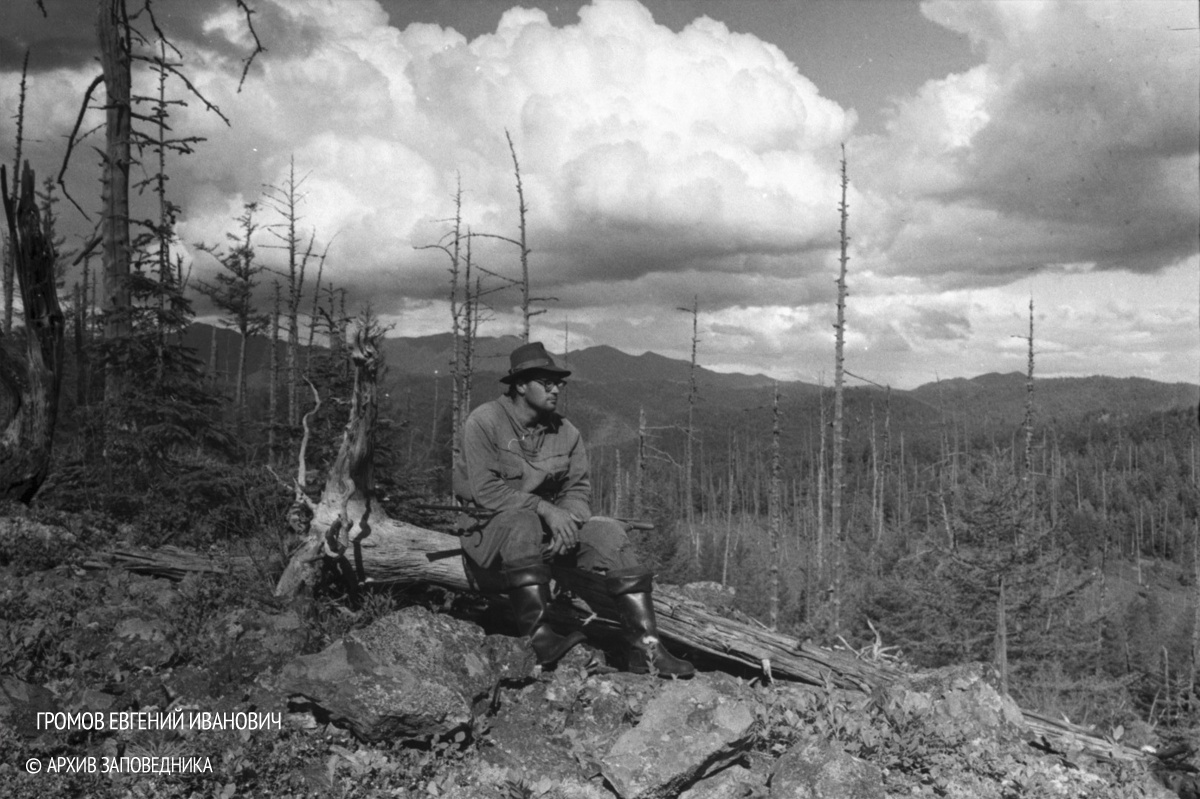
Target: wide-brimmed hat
531,357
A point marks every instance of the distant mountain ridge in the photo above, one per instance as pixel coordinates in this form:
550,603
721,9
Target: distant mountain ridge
613,384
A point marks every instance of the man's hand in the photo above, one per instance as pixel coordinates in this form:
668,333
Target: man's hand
564,527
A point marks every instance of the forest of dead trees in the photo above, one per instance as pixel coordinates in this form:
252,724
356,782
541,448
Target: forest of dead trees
1065,553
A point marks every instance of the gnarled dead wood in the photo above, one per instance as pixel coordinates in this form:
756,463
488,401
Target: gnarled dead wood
32,379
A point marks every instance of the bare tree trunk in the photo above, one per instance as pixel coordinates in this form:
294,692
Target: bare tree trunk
212,358
286,200
1027,426
1002,637
81,336
728,515
470,335
565,363
239,392
639,474
273,380
822,534
10,251
115,59
618,503
522,210
839,538
689,449
775,511
33,381
458,413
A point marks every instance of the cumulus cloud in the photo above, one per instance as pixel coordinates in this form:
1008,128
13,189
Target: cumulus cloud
642,151
1075,140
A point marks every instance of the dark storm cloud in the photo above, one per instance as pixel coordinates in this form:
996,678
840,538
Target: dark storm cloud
1090,130
940,325
65,36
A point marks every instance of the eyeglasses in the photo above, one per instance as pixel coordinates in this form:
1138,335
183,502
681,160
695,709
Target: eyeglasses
549,383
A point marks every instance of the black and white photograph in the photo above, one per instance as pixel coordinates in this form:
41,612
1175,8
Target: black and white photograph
600,399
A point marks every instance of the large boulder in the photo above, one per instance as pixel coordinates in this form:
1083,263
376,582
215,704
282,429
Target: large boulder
687,731
961,698
411,675
815,769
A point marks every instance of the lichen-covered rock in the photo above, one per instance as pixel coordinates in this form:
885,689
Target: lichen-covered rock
963,699
689,729
410,675
447,649
20,702
374,700
816,769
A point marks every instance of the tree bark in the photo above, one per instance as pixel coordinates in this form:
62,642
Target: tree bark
33,380
837,471
112,29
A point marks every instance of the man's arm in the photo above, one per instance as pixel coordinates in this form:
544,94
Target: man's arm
576,494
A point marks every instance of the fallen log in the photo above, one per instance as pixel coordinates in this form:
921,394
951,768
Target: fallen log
170,562
399,553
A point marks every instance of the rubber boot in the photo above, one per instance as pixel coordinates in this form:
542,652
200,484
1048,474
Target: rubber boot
529,593
647,655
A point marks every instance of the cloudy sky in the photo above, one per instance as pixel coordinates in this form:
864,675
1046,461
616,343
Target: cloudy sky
680,150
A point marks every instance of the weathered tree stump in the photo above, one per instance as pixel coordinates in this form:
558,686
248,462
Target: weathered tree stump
32,380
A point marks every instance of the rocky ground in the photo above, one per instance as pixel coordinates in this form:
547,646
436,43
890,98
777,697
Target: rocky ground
411,697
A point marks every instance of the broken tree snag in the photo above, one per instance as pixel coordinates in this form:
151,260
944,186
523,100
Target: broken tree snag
345,519
32,379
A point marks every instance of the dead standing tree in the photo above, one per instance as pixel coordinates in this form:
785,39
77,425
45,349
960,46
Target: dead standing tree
10,245
527,312
837,472
32,381
690,440
285,198
120,45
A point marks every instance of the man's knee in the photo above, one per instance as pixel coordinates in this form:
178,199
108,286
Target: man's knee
605,546
604,533
522,534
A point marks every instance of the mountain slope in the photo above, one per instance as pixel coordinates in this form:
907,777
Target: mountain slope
609,388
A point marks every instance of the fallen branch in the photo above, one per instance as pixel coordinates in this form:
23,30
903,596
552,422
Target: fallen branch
170,562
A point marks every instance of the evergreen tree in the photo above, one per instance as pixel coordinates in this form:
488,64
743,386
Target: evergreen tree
233,294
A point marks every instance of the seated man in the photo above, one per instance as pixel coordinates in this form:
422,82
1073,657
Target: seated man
529,465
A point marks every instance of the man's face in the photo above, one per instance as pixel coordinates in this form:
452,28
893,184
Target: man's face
541,391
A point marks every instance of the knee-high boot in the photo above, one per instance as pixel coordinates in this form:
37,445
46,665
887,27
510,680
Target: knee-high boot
529,593
647,655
